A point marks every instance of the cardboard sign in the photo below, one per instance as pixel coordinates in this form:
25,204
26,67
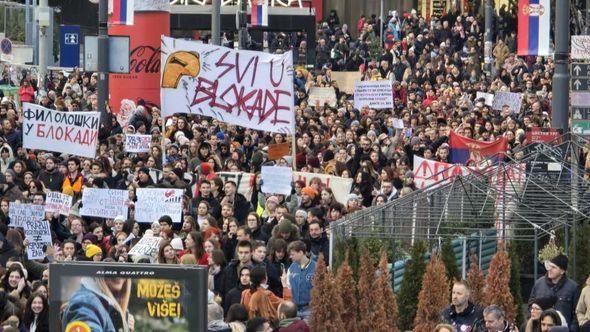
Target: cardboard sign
104,203
278,151
340,186
66,132
488,97
153,203
345,80
513,100
138,143
373,94
244,88
276,180
146,246
38,233
20,213
318,97
58,203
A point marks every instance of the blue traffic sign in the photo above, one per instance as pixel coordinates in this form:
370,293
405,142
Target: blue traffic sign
69,45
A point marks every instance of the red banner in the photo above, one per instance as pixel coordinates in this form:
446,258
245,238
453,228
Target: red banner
542,135
143,80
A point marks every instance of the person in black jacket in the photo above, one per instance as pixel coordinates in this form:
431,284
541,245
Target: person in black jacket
461,313
235,294
317,241
230,273
237,200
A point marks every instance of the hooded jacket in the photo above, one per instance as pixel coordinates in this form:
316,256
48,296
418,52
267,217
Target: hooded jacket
293,325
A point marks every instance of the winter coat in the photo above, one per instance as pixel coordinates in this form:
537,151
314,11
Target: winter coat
567,293
52,180
218,326
229,277
465,318
583,307
317,246
233,296
293,325
300,282
89,305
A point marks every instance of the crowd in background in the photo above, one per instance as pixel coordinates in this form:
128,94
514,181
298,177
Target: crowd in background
261,250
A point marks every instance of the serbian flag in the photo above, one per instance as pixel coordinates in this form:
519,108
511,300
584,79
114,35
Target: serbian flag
465,150
121,12
259,15
533,27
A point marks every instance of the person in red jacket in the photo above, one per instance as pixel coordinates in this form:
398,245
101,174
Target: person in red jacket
26,92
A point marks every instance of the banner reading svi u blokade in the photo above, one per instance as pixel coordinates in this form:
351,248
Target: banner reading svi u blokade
245,88
66,132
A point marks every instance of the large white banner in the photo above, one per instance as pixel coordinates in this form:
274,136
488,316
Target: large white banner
104,203
245,88
39,234
374,94
340,186
20,213
428,172
66,132
153,203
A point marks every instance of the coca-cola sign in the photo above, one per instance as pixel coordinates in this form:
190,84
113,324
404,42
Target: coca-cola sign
144,58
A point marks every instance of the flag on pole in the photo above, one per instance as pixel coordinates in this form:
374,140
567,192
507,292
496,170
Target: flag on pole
259,15
465,150
533,27
121,12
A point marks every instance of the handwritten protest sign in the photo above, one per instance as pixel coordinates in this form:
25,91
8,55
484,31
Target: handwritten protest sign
345,80
276,180
374,94
488,97
39,234
146,246
245,88
512,99
152,203
104,203
580,47
20,213
137,143
66,132
58,202
428,172
245,181
340,186
319,96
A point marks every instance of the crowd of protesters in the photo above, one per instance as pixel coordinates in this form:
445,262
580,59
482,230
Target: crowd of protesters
261,250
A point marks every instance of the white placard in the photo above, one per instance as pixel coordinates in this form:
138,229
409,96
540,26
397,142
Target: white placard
512,99
581,47
340,186
153,203
38,233
245,88
322,95
104,203
398,123
20,213
58,202
488,97
138,143
276,180
374,94
66,132
146,246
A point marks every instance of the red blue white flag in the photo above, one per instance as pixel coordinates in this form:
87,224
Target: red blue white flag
466,151
259,14
121,12
534,22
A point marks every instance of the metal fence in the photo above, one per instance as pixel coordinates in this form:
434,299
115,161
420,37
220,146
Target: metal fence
538,191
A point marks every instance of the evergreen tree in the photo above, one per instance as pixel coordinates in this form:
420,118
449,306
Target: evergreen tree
497,290
365,287
325,305
515,288
411,285
384,300
582,252
433,296
346,286
476,280
448,257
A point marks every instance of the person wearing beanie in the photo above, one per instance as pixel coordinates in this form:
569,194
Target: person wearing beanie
93,253
286,231
144,179
536,308
555,283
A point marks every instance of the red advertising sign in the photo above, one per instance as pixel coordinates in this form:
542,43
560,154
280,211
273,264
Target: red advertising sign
143,80
542,135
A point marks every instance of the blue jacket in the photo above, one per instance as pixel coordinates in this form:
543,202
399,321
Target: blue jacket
90,306
300,282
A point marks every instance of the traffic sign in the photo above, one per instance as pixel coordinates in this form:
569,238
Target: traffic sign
581,113
580,99
580,70
6,46
580,84
581,127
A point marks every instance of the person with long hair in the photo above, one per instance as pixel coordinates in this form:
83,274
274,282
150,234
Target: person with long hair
194,245
549,318
258,300
217,264
167,254
15,283
254,224
101,303
36,316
